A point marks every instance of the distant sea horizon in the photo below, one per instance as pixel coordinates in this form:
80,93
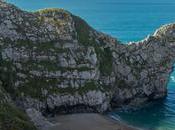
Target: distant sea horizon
123,19
127,21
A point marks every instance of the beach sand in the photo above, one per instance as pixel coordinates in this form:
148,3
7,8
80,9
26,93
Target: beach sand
87,122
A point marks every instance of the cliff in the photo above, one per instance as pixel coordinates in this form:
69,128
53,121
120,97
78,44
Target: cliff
54,62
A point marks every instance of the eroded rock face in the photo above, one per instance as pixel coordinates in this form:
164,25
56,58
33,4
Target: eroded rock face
52,59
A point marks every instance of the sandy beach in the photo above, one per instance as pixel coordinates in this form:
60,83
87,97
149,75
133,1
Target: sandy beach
87,122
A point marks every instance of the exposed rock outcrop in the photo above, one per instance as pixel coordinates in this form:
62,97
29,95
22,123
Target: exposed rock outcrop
54,61
39,120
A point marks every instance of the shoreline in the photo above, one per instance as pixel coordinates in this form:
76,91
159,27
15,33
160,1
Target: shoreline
88,121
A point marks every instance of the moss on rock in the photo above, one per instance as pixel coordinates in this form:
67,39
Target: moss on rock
106,61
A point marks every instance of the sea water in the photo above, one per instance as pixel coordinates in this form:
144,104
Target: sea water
127,20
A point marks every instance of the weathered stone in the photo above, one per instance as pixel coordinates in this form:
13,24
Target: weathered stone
38,119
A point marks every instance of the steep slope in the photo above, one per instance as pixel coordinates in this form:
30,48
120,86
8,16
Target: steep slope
55,62
11,117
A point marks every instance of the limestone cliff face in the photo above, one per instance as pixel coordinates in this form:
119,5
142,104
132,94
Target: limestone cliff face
52,60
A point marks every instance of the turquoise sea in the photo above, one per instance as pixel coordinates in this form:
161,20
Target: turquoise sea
127,20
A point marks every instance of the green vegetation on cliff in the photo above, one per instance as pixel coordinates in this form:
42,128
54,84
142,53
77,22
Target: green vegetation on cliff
83,31
106,61
11,118
84,37
40,88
